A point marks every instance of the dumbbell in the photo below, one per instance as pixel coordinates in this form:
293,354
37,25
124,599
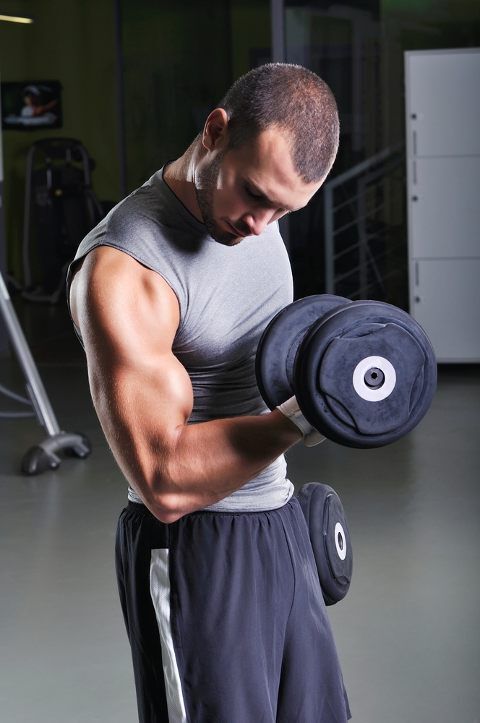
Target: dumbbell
330,538
363,372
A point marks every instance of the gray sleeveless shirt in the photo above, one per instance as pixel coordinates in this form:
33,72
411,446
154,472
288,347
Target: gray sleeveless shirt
226,294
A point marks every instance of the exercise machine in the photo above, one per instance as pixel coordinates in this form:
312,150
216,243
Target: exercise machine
60,209
45,455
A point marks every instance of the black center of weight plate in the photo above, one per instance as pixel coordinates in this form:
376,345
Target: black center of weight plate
374,378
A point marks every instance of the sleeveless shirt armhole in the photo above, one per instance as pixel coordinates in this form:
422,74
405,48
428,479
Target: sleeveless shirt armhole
70,273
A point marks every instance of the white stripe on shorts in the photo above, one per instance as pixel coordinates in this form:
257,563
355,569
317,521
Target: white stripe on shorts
160,593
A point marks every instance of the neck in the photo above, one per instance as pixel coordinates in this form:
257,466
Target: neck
180,177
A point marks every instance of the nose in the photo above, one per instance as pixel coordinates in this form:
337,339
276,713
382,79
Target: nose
258,220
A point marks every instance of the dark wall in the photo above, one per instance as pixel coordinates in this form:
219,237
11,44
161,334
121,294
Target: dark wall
177,65
178,60
71,41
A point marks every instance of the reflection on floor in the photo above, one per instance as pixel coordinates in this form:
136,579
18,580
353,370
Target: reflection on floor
407,634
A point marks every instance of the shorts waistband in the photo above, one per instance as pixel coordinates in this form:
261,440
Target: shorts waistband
139,507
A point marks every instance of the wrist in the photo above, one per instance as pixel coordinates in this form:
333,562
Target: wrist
293,413
286,430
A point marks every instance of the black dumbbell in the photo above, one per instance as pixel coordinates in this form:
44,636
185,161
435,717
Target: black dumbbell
330,538
363,372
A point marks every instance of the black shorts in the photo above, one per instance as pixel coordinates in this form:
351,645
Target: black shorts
226,619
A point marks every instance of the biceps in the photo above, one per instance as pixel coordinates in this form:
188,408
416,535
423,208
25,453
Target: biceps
143,406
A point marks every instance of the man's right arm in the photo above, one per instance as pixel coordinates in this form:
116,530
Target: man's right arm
128,316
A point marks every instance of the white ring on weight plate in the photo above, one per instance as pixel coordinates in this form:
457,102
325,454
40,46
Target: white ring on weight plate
339,532
360,386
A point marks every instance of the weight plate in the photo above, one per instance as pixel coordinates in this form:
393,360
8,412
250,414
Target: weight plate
279,343
330,538
365,374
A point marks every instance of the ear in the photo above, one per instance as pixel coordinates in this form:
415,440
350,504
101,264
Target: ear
216,130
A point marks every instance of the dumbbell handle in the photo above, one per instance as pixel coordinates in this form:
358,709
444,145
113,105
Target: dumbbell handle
292,411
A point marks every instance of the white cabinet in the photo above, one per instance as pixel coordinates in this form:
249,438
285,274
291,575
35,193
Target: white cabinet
445,206
448,306
443,193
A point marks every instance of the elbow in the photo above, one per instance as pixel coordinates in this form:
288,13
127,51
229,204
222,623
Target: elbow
166,503
163,508
168,517
166,512
164,490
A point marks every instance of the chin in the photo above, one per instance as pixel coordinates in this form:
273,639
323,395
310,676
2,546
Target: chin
226,238
230,241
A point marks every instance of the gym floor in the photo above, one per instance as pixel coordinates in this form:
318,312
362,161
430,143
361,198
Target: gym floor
407,634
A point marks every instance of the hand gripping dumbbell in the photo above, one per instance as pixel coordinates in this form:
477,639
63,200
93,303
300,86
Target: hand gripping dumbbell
363,373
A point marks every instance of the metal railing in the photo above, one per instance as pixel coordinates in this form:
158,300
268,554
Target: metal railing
361,252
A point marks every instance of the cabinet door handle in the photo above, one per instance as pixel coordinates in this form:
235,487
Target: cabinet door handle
417,275
414,138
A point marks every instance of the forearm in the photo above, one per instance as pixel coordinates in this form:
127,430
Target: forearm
213,459
201,463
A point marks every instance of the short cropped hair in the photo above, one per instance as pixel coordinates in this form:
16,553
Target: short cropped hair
295,100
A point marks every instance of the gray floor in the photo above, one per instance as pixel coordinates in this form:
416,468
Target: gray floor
408,633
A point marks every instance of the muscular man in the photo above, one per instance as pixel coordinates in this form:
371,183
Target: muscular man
170,294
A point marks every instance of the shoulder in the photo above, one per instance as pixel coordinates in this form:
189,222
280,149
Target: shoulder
138,212
110,284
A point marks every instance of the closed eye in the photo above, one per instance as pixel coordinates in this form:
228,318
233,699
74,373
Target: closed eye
252,194
260,198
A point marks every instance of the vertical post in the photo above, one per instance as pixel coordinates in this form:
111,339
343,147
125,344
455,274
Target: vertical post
120,97
328,240
277,12
3,238
357,80
362,236
277,17
27,270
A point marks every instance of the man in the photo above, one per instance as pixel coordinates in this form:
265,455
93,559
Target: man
170,294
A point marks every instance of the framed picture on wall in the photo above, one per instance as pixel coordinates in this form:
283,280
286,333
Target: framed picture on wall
32,105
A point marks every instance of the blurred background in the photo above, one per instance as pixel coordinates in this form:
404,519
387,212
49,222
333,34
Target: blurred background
138,78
